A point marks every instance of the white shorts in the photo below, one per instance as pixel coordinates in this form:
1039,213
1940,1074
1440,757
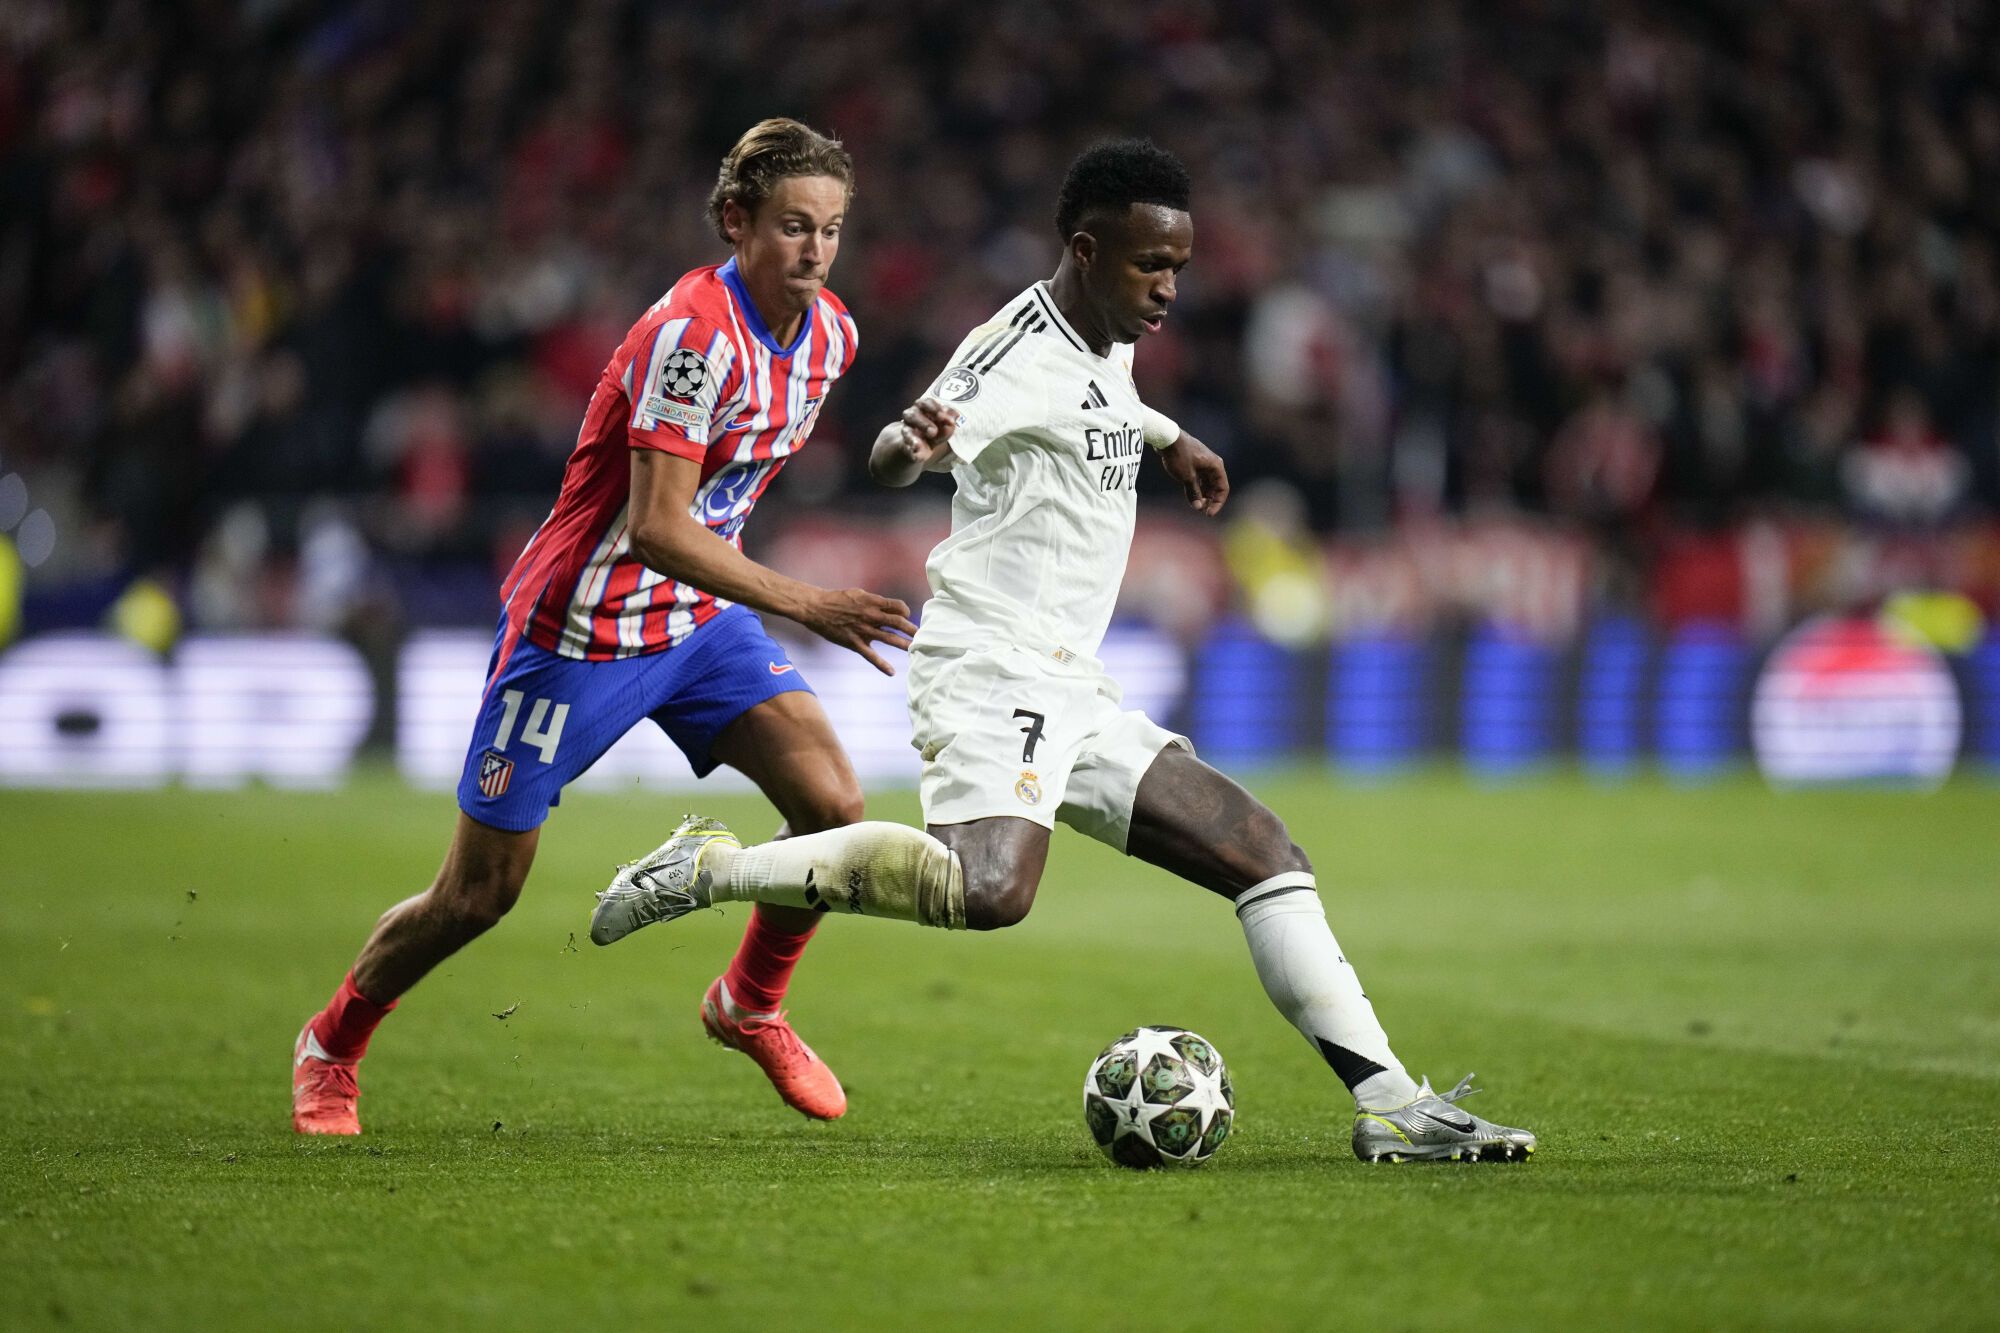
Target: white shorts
1003,734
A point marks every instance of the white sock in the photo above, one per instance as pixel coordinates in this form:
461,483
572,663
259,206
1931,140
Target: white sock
735,1012
1303,972
870,869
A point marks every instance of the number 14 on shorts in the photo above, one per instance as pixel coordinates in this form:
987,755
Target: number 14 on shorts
545,724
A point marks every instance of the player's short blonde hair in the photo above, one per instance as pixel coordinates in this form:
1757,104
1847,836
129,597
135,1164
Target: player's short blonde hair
767,153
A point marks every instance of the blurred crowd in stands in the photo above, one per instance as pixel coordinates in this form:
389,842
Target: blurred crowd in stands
303,284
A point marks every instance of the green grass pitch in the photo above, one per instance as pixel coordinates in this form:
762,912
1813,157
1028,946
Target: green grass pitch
1758,1034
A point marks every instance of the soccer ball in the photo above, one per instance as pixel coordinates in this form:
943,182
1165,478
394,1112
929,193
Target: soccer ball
1159,1096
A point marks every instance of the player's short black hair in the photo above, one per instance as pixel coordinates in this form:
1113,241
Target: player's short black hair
1114,174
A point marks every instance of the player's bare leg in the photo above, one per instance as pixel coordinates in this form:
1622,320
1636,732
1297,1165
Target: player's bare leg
478,884
1198,823
787,746
1002,859
481,879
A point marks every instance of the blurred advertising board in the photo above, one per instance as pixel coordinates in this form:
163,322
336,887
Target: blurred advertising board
1845,699
95,711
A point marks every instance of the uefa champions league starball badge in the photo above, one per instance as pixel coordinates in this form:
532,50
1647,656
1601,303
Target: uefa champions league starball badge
683,373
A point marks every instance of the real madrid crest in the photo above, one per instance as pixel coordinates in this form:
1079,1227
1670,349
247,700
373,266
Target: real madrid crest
1029,788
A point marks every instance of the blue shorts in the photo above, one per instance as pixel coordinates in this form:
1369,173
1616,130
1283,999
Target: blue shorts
546,718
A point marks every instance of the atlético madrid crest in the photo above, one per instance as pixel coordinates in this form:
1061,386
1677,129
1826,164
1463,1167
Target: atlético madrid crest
495,773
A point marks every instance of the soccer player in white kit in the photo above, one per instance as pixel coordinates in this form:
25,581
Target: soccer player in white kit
1038,422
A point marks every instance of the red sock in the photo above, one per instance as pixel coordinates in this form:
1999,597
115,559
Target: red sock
349,1019
763,965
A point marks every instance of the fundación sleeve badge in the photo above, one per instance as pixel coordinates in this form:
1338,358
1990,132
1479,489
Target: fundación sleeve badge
495,772
683,375
1029,788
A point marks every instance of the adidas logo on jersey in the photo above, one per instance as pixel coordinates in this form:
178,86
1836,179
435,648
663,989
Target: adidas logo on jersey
1095,398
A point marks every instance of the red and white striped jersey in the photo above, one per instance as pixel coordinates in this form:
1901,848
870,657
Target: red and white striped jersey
699,376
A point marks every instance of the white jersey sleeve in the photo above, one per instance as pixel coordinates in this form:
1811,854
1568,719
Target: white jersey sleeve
989,384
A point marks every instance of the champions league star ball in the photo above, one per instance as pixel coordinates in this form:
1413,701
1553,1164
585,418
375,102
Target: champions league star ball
1158,1097
683,373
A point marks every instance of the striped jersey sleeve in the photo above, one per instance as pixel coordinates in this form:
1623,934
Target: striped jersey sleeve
991,382
673,383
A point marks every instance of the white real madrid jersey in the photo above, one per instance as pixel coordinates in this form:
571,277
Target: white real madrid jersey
1048,450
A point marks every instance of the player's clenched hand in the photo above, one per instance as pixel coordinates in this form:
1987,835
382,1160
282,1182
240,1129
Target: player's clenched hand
855,618
1199,471
927,429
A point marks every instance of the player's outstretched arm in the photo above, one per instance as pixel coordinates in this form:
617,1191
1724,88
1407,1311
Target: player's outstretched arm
1203,478
668,539
914,443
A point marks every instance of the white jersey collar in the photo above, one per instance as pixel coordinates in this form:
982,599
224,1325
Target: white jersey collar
1046,298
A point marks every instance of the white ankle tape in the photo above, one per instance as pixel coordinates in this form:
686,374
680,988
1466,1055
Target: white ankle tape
1291,881
941,891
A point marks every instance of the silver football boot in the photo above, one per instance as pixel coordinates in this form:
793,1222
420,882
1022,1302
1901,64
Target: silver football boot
1431,1129
663,885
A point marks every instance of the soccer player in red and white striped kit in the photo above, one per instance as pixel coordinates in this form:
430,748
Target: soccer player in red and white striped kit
634,601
